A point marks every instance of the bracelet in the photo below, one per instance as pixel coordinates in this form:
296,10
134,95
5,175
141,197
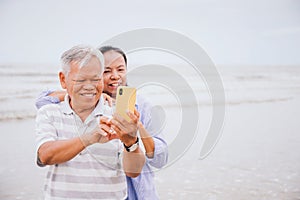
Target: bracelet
132,147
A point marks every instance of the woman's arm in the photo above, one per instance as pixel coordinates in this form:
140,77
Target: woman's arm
147,140
56,96
49,97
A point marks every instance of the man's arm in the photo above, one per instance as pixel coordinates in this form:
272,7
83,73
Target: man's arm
59,151
133,162
55,152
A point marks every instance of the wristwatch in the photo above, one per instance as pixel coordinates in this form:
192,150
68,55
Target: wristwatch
132,147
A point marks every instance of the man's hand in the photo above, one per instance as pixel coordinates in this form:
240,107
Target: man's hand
126,130
105,125
95,136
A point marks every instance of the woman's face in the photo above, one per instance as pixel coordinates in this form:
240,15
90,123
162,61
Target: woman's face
114,73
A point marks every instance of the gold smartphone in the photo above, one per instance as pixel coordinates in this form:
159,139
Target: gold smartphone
125,101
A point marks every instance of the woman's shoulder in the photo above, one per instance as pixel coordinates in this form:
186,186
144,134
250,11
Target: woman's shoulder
142,102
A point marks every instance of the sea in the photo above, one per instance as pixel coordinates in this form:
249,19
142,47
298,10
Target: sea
22,84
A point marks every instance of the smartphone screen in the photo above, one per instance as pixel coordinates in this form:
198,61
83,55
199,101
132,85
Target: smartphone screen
125,101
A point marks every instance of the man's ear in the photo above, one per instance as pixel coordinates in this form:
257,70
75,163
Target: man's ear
62,79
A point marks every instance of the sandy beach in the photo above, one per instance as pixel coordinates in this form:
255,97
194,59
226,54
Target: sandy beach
257,156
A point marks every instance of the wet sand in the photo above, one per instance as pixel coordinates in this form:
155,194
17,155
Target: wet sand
257,157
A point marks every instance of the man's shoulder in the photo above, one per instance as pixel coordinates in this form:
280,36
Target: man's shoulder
50,108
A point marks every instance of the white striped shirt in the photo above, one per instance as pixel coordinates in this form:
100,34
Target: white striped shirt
96,172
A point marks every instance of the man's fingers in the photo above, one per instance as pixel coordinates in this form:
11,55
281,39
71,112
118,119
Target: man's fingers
108,131
105,128
118,123
118,117
116,130
133,117
101,132
114,136
105,120
136,112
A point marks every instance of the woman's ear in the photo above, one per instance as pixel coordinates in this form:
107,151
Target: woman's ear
62,79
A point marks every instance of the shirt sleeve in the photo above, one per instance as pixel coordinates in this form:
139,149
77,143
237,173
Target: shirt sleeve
45,131
160,157
155,129
44,99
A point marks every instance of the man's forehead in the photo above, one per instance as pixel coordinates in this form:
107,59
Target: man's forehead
86,71
88,74
76,66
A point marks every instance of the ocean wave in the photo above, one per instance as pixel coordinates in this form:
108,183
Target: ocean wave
17,115
27,74
21,94
256,101
14,97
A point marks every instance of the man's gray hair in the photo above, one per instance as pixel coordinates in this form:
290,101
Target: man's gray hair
80,54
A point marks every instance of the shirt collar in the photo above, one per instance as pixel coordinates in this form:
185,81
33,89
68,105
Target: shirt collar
100,107
66,106
96,112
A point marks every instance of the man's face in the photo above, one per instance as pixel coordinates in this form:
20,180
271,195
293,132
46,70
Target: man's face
84,85
114,73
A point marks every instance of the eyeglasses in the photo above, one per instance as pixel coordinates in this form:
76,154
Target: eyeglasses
94,81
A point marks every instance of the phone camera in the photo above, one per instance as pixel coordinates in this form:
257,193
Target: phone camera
120,91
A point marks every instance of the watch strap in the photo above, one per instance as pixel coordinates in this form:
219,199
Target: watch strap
132,147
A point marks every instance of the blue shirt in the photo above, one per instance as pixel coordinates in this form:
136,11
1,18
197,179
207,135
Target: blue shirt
141,187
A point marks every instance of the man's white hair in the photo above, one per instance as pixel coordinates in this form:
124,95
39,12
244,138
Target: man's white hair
80,54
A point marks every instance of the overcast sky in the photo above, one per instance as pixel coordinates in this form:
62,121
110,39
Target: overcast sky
233,32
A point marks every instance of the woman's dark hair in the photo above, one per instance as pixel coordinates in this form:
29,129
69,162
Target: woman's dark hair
104,49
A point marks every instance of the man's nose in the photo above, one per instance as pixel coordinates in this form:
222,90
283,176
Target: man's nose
89,85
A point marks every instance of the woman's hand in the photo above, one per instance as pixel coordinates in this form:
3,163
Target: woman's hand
108,99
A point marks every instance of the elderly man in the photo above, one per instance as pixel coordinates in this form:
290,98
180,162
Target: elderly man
86,160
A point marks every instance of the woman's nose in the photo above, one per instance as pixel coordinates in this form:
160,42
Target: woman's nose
115,74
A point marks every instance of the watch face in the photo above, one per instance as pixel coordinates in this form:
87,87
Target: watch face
132,147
